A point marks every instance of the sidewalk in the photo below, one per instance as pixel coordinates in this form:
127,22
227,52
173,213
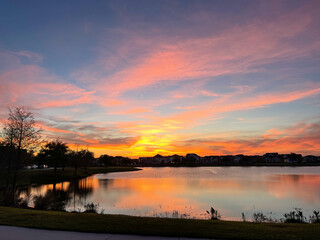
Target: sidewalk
17,233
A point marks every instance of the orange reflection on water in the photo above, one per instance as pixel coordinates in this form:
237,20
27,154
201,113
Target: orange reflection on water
151,193
58,186
303,187
89,182
172,194
86,183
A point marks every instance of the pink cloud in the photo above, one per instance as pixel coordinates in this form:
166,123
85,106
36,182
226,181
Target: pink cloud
238,101
34,86
238,49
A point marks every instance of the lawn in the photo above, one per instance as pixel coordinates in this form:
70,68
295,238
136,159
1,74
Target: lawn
99,223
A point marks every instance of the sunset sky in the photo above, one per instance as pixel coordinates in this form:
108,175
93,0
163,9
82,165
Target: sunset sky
137,78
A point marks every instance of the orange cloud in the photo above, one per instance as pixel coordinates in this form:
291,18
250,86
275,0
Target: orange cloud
52,129
89,140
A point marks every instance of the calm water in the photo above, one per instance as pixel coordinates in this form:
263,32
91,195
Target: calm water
189,192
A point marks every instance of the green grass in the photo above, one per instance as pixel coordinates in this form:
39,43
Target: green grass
28,177
98,223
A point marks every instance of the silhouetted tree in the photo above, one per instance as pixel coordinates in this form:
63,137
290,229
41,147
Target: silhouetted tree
55,154
87,158
19,133
82,158
106,160
40,158
6,156
73,160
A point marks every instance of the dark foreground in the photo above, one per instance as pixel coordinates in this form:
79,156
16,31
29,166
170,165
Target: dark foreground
121,224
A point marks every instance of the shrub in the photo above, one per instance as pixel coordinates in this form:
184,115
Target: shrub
214,214
243,216
315,218
91,208
259,217
295,216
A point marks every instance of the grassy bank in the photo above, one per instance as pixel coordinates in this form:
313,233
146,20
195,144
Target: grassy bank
98,223
46,176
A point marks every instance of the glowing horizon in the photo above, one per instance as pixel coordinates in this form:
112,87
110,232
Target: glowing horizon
140,78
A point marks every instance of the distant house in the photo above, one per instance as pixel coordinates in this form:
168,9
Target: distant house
227,159
238,158
285,158
271,158
192,157
209,160
156,160
145,160
176,159
310,159
294,158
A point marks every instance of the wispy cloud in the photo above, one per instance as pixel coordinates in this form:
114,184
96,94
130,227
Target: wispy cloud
34,57
239,49
301,138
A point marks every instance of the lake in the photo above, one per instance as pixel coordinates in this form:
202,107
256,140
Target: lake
189,192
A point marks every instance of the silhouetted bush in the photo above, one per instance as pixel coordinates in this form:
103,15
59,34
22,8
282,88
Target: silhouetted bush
295,216
315,218
243,216
259,217
214,214
91,208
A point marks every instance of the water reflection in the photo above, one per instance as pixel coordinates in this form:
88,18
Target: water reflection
303,187
189,192
52,200
60,196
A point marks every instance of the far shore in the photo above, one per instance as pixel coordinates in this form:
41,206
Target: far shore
30,177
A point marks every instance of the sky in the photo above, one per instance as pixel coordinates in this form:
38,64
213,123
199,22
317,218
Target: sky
140,78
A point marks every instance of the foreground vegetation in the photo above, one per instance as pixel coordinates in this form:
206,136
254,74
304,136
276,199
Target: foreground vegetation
47,176
101,223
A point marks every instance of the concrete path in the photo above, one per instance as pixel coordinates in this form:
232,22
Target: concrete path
17,233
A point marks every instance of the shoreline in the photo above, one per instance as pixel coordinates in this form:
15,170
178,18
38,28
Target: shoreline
237,165
34,177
